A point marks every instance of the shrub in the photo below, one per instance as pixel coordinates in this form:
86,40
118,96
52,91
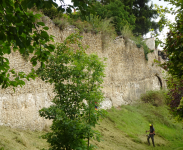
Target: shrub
62,23
52,13
83,26
175,96
156,98
127,33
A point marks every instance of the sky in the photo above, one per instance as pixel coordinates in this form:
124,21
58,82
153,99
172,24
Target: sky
162,35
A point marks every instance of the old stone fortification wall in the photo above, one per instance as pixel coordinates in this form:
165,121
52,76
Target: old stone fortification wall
128,75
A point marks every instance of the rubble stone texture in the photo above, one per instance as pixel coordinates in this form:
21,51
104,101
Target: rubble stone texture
128,75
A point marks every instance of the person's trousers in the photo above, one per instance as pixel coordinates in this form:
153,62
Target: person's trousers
152,138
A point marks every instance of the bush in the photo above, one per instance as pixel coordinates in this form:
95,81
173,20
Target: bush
156,98
62,23
83,26
52,13
175,96
127,33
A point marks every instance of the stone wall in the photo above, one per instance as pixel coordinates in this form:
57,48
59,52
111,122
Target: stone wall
128,75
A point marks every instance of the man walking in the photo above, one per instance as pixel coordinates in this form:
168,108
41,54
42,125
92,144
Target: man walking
151,134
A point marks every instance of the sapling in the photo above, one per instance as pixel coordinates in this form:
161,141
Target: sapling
77,78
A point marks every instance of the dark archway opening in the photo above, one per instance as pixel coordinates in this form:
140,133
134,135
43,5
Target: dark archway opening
160,81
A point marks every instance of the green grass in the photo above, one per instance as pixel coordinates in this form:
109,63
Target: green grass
123,129
130,122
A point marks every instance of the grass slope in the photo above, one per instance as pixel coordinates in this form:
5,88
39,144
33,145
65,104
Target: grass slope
123,129
16,139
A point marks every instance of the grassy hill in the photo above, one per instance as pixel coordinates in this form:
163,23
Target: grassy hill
123,129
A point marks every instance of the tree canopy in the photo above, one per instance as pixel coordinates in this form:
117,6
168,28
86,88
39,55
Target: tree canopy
144,17
136,12
174,51
116,11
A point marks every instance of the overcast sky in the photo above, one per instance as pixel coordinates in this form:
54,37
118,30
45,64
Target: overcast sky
160,3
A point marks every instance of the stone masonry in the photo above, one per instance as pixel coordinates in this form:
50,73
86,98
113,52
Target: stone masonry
128,75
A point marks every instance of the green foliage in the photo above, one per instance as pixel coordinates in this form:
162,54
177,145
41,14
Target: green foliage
103,26
95,25
17,28
52,13
144,15
174,51
175,95
77,79
156,98
115,10
174,41
62,23
127,33
157,43
19,31
136,13
145,47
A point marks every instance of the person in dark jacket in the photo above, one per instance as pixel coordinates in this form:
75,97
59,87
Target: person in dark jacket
151,134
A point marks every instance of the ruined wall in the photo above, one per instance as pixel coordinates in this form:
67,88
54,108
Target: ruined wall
128,75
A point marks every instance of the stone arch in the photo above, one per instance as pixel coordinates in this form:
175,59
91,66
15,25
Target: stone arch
160,81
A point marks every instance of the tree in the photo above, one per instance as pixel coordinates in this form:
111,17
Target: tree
174,51
116,11
20,31
144,14
76,77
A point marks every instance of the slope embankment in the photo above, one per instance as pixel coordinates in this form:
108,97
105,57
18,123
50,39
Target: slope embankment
122,129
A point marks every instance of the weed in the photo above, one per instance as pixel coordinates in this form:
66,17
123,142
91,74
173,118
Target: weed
62,23
127,33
